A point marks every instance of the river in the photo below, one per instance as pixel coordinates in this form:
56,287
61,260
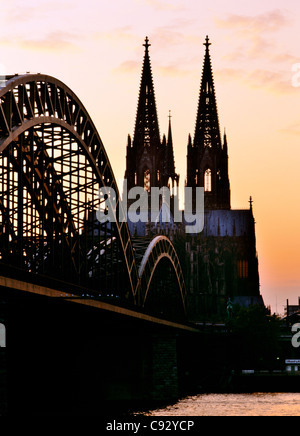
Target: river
254,404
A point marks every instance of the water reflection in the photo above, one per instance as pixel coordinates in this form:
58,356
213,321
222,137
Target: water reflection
255,404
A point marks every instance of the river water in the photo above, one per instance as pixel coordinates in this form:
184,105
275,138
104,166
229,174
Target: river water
254,404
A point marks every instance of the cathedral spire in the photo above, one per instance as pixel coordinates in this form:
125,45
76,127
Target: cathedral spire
147,45
207,131
149,161
207,43
251,203
146,132
207,158
170,165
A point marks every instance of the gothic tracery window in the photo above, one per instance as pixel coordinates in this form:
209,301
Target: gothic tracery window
196,178
243,269
207,180
147,185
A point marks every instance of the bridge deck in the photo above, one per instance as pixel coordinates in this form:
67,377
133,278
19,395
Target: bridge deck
32,288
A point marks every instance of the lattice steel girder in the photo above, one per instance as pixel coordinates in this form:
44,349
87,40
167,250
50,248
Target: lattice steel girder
34,100
52,158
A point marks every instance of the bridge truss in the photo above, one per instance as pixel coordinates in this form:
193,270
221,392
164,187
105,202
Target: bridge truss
52,164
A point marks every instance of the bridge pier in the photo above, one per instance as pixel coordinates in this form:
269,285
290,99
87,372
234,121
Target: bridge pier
164,367
130,369
66,358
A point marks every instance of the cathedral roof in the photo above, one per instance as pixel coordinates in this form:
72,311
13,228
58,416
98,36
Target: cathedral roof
233,222
238,222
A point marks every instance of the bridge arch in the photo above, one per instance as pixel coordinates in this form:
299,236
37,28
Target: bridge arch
161,252
52,164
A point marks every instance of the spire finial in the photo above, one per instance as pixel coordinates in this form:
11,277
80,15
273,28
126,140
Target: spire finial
147,45
170,116
250,202
207,43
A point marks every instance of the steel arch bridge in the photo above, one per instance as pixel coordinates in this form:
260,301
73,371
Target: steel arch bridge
158,251
52,164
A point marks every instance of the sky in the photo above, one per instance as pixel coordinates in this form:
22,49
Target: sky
96,48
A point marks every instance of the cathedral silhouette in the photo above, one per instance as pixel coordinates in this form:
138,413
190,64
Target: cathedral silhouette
220,263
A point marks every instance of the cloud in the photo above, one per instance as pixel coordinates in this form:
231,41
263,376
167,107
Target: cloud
117,34
49,44
18,11
253,36
230,74
54,42
291,129
163,5
128,67
172,71
131,66
285,58
276,82
167,37
249,25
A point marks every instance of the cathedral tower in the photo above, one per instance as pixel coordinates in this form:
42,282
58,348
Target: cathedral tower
221,261
149,161
207,156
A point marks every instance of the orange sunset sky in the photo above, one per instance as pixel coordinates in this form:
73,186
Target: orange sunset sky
95,47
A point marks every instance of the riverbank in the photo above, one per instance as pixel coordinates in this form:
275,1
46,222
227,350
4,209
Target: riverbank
225,380
264,381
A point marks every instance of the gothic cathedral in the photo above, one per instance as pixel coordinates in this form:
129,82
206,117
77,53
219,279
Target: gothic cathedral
220,264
